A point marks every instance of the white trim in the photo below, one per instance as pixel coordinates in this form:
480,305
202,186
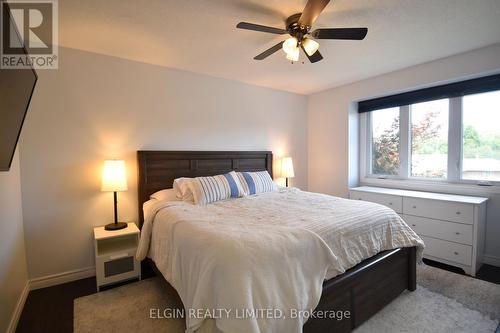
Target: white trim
365,157
404,141
19,308
364,146
431,186
42,282
59,278
491,260
455,139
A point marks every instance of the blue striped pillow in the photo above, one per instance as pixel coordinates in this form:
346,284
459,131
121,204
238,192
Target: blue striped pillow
256,182
216,188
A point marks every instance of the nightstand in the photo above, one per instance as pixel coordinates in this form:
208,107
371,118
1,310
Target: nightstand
115,255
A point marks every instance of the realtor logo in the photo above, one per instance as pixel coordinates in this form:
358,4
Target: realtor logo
29,34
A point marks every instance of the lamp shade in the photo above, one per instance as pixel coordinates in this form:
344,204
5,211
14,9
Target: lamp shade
293,55
114,178
287,167
290,45
310,46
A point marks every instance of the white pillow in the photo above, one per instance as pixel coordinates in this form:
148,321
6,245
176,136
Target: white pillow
165,195
182,189
256,182
215,188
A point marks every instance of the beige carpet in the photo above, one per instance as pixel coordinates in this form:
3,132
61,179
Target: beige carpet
443,302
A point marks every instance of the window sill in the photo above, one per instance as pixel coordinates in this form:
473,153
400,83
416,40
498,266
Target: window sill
431,186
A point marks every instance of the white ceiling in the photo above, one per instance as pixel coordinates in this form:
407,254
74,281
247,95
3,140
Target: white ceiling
200,36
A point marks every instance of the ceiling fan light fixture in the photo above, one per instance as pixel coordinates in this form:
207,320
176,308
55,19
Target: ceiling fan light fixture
293,55
299,26
310,46
290,45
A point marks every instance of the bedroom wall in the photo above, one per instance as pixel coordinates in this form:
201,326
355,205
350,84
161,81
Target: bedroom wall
98,107
333,125
13,271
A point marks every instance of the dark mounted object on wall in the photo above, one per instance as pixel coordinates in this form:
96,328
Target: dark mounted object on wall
16,90
299,27
457,89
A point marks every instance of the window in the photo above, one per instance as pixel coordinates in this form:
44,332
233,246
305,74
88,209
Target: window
446,133
385,141
429,139
481,137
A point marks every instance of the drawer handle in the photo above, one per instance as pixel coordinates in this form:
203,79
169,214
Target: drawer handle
414,206
458,213
360,199
456,253
413,225
457,233
390,203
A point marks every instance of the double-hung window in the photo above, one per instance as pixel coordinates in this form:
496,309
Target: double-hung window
446,133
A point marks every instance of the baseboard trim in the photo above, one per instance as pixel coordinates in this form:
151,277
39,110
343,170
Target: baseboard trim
491,260
19,308
59,278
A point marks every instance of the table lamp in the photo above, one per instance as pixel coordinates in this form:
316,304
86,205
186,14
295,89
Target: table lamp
114,179
287,169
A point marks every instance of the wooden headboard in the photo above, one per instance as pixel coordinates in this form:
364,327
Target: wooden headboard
158,169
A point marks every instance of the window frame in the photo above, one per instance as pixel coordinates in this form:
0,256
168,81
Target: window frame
455,149
369,149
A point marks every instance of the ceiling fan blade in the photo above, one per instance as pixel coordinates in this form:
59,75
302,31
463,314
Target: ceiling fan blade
315,57
261,28
340,33
311,11
269,51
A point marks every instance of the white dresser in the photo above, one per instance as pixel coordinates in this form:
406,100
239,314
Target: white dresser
452,226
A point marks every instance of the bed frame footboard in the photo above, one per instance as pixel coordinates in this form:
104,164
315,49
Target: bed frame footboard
364,290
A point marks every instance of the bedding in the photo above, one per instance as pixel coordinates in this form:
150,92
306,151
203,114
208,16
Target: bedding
256,182
215,188
182,190
165,195
256,252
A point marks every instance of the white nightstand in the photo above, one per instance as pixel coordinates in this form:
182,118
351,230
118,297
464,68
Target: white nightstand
115,255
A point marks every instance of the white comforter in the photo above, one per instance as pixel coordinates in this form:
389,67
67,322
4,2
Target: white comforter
264,252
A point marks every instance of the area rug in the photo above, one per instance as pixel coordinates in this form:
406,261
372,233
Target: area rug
443,302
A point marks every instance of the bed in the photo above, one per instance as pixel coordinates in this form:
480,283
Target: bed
362,290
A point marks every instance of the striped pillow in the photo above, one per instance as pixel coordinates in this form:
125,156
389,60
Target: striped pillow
256,182
216,188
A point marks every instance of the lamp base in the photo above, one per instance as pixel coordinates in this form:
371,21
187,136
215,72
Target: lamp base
116,226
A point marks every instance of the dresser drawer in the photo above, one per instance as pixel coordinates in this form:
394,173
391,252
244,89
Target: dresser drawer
442,249
438,209
391,201
454,232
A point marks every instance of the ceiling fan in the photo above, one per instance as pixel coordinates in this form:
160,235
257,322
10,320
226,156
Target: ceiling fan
298,26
